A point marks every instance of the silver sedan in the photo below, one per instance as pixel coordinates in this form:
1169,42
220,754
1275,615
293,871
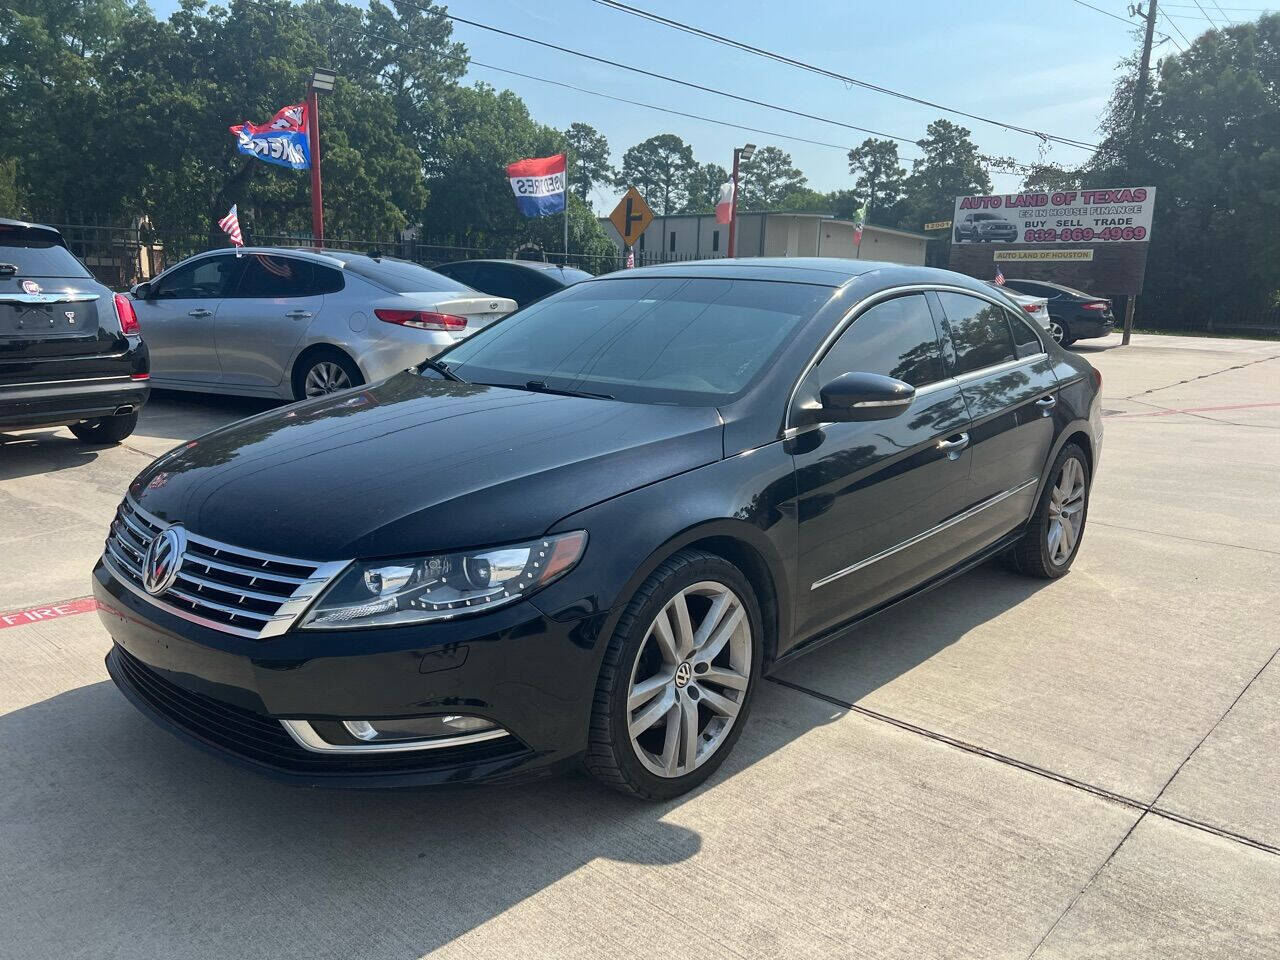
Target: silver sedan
288,323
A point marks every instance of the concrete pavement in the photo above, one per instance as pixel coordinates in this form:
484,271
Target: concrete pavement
1002,768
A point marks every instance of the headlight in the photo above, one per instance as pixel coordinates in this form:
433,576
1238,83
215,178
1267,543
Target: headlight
382,593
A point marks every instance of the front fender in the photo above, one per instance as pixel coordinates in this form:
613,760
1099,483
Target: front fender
747,499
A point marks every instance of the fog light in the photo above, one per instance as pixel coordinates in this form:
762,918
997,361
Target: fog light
416,728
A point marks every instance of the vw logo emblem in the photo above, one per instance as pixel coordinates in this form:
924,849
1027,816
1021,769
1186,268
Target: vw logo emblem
164,558
683,673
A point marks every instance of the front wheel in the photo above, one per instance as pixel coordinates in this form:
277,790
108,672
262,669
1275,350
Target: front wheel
678,675
1053,536
105,429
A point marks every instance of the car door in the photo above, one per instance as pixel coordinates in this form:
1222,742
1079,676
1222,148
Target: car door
263,320
1010,389
874,498
178,314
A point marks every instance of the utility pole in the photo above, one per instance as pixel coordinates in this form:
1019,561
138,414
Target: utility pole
1135,136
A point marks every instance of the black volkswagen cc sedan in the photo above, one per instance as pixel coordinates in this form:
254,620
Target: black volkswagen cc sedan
587,531
71,352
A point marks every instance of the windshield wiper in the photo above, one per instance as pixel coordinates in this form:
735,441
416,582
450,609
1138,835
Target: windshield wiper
442,368
540,386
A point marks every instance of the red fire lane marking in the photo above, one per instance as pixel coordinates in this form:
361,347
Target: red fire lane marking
68,608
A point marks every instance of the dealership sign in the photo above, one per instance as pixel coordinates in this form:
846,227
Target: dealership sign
1060,216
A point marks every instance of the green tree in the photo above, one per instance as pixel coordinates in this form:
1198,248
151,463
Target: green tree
951,167
767,179
878,176
704,187
10,196
660,168
588,159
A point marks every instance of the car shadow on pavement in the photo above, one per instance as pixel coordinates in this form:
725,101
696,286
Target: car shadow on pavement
179,415
39,452
120,840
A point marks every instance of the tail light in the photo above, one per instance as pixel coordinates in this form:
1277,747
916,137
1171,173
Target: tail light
422,319
128,319
1097,378
1031,307
1096,305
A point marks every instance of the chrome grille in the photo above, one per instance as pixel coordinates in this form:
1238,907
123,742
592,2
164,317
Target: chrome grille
228,588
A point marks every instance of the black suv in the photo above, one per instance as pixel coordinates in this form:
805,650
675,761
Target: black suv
71,352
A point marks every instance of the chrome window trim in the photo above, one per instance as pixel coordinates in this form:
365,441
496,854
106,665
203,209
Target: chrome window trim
999,368
306,737
921,537
866,303
48,297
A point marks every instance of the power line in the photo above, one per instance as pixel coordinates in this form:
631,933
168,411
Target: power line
822,71
1011,166
1218,7
1107,13
1175,26
1206,14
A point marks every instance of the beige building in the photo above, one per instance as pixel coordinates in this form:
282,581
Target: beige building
697,236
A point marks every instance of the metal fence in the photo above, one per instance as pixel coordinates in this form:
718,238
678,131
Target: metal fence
121,256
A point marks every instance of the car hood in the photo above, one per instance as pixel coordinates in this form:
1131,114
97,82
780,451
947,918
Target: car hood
413,464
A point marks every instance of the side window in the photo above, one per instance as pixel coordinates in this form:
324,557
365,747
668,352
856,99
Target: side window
269,277
1023,334
206,279
895,338
326,280
979,331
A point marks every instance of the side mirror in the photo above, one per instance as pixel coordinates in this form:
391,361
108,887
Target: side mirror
141,291
864,396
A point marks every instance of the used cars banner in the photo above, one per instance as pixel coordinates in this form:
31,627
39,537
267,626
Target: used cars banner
1059,216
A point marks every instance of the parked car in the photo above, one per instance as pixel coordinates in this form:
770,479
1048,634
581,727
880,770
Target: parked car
1037,308
290,323
70,350
587,531
523,281
985,227
1073,314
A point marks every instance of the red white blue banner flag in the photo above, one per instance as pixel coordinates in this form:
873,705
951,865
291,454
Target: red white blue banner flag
538,184
282,141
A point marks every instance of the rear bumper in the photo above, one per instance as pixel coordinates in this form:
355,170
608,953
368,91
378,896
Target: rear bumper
1087,327
69,401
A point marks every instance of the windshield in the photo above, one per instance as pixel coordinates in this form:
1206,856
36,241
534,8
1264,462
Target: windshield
662,340
401,276
38,258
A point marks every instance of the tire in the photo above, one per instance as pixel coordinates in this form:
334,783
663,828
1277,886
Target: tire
691,681
1039,553
105,429
324,371
1060,332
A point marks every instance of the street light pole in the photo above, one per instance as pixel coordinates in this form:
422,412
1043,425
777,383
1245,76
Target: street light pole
321,80
743,153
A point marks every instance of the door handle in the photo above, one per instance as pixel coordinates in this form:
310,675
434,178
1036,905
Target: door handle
1047,403
953,445
299,315
201,313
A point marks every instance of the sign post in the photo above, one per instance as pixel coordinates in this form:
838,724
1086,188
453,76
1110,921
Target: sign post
631,217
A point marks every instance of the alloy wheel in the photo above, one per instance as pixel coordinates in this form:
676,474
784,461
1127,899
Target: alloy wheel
1055,331
325,377
1066,511
690,679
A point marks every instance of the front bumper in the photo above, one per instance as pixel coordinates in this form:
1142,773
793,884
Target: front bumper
531,674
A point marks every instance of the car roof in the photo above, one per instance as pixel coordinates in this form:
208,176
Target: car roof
330,258
823,271
541,266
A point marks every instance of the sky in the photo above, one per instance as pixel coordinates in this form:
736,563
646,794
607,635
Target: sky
1044,64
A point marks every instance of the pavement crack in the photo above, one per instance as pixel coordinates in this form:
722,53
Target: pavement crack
1175,536
1203,376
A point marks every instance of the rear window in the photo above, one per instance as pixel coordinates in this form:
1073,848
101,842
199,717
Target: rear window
568,275
27,253
400,276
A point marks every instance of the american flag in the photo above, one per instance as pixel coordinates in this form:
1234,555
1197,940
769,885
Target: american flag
230,225
999,277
